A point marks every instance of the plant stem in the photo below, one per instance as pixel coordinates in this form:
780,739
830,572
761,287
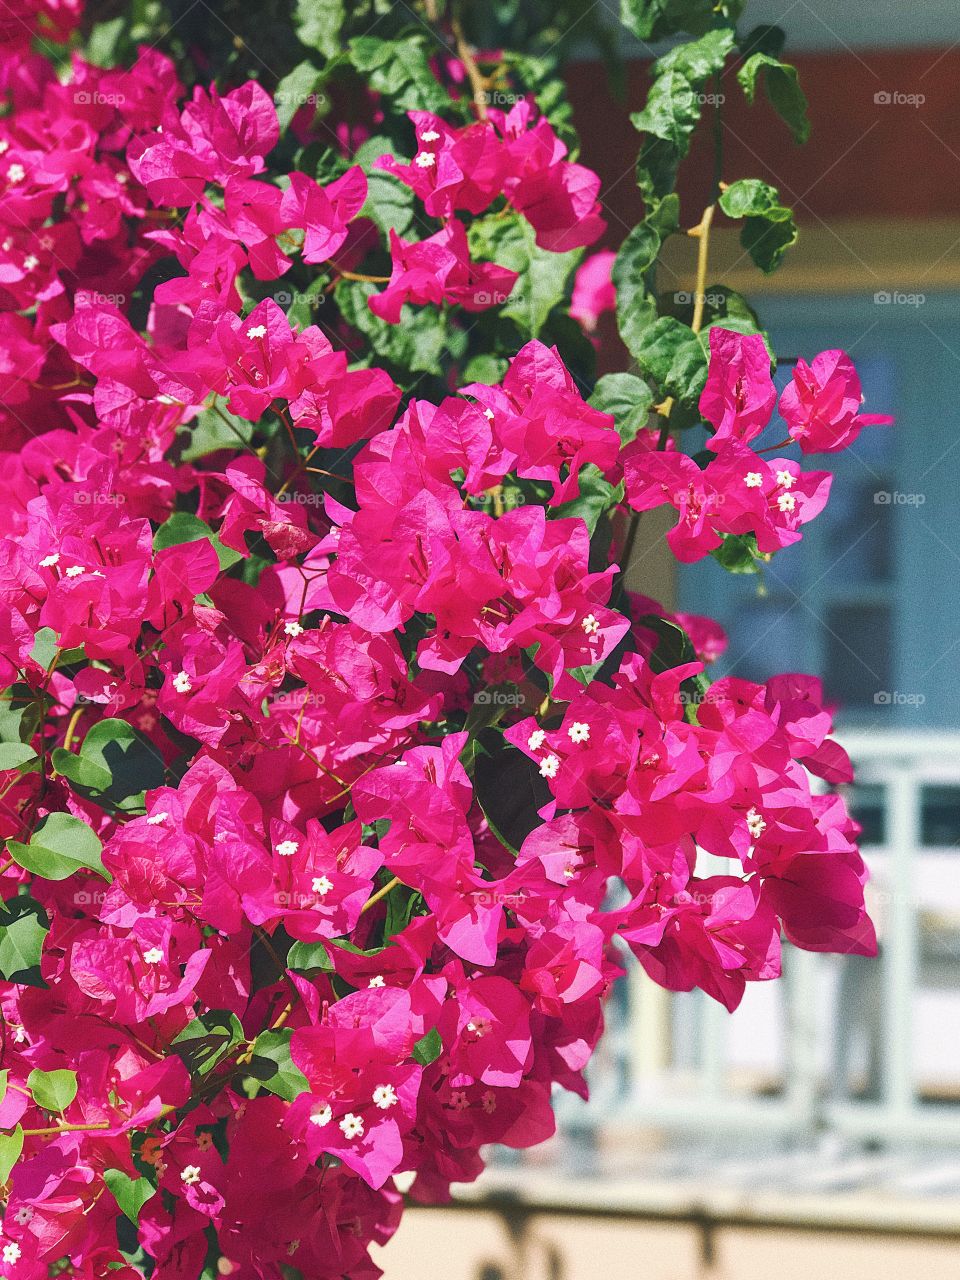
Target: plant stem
71,727
477,80
381,893
702,232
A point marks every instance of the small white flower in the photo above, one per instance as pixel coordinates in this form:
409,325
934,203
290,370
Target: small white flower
489,1102
549,766
4,146
156,818
153,956
429,135
30,262
163,398
74,570
351,1126
322,1116
49,561
182,682
322,885
24,1215
425,160
755,824
190,1175
257,331
785,479
385,1097
11,1253
459,1100
590,625
16,173
204,1141
786,502
377,980
489,414
480,1027
753,479
579,731
287,848
293,629
535,741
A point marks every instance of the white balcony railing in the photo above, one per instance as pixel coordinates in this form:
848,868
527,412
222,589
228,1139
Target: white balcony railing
837,1045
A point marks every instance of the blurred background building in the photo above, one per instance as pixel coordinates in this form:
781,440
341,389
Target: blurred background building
817,1130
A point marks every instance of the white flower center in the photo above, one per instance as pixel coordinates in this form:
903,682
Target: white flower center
377,980
191,1175
293,629
753,479
549,766
755,824
351,1126
535,741
579,731
785,479
49,561
257,331
182,683
429,135
425,160
590,625
156,818
786,502
153,956
322,1116
385,1097
322,885
16,173
287,848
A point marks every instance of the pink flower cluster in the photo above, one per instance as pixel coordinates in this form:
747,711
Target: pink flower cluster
308,960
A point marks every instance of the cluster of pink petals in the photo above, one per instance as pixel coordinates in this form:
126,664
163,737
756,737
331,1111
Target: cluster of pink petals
314,709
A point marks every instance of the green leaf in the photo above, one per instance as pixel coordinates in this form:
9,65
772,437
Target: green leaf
274,1068
400,69
595,499
418,344
783,90
299,88
305,956
131,1194
53,1090
23,927
207,1040
673,357
11,1144
210,432
60,847
769,229
428,1048
636,309
543,276
738,553
627,398
115,766
183,527
15,754
698,60
390,203
4,1074
656,19
673,647
319,24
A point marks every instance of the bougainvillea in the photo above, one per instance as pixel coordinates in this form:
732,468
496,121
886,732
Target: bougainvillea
339,767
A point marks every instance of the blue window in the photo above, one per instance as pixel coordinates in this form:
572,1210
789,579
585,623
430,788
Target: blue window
869,600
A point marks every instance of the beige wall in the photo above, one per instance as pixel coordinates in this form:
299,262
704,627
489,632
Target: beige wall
452,1244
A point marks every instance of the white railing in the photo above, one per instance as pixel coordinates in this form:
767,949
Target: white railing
681,1063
